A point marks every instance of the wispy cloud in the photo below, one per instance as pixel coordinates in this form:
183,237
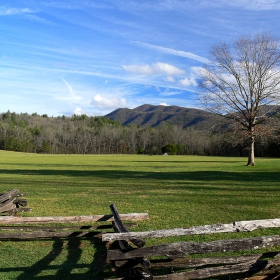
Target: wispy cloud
170,93
77,5
169,79
244,4
66,5
14,11
158,68
68,86
33,17
174,52
72,96
24,12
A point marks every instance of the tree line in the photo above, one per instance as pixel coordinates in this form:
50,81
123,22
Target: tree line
81,134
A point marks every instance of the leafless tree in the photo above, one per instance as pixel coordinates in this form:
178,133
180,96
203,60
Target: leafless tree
242,82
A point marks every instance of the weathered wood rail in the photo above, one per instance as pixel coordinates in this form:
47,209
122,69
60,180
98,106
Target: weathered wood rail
28,228
11,203
242,226
34,230
71,219
177,256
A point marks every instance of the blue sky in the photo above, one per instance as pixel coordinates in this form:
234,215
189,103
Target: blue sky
65,57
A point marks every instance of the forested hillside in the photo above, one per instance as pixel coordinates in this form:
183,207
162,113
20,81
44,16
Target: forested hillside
101,135
150,115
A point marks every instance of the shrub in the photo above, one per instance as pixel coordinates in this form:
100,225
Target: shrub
169,149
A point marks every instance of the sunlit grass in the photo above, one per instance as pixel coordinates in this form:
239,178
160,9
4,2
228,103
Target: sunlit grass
176,191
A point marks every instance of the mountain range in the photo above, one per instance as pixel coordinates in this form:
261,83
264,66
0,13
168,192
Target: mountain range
150,115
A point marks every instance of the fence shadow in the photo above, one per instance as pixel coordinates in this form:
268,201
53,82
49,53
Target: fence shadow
49,268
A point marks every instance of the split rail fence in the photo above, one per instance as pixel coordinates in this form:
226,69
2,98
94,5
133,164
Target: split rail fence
177,255
130,259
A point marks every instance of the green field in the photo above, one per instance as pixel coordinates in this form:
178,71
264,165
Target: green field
176,191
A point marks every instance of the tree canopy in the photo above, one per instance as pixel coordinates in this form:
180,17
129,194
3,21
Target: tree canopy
242,82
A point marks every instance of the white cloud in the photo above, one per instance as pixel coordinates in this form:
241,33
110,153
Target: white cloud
108,102
78,111
197,70
164,104
158,68
188,82
175,52
170,79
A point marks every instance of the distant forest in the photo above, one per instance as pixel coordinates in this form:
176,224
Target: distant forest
81,134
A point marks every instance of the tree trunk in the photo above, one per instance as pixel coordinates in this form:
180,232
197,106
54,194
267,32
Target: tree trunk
251,156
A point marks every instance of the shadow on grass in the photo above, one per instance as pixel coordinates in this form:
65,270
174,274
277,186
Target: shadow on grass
155,174
248,176
47,269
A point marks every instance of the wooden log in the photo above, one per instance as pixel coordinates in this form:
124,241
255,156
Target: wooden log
7,206
123,244
206,229
249,268
72,219
11,194
19,210
181,249
60,228
117,226
197,262
46,235
211,272
120,227
246,268
20,202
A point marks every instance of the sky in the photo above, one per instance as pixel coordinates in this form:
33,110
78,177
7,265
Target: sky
66,57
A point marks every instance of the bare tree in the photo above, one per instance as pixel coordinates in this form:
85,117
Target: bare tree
242,82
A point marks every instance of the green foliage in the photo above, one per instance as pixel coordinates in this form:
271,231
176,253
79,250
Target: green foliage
141,151
6,116
170,149
36,130
46,148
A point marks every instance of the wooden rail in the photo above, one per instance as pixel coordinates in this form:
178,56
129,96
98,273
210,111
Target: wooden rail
242,226
177,255
11,202
71,219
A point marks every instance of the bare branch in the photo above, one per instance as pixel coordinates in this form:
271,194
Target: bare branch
243,80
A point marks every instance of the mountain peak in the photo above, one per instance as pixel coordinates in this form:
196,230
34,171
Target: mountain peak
151,115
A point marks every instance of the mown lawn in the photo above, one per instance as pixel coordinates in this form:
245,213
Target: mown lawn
176,191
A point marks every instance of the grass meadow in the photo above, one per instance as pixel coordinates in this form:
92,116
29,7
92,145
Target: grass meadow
176,191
